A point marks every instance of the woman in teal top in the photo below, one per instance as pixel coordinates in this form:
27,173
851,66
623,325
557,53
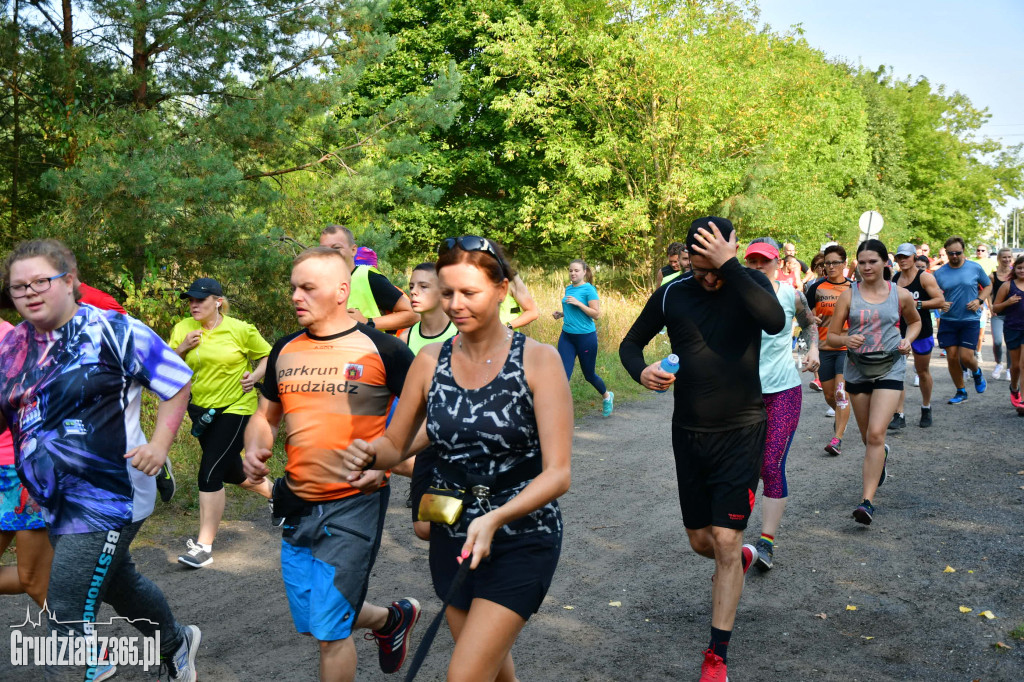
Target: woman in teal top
780,391
580,307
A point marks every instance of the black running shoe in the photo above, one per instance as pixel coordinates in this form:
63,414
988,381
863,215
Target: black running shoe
926,417
765,550
165,481
899,421
864,512
885,471
394,645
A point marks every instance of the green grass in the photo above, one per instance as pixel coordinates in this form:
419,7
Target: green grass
1018,632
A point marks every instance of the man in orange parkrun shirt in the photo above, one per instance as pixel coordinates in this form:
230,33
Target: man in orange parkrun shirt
822,296
331,383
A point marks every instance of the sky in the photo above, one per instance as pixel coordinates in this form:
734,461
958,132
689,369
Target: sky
969,45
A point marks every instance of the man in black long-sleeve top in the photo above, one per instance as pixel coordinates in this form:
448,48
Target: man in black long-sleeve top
714,318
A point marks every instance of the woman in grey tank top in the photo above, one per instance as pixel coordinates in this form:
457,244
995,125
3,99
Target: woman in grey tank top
873,308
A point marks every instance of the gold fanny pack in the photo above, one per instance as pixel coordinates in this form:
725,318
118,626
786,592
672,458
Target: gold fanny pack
441,505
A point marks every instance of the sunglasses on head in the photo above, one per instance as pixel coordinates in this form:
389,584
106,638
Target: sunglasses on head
470,242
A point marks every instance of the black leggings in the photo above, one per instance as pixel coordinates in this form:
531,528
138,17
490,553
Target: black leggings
92,568
222,443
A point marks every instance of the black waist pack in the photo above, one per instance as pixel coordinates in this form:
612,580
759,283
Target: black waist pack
876,364
286,503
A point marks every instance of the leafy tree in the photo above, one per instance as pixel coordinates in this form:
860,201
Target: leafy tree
209,111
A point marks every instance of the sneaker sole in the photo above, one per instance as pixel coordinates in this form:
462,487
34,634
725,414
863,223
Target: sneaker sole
835,452
754,554
107,673
862,516
762,565
190,564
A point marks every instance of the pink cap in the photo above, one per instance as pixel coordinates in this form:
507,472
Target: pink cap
762,249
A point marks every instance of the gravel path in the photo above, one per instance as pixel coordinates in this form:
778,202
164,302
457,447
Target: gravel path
630,602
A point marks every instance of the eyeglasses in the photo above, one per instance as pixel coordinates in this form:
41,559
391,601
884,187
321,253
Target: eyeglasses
39,286
832,263
981,250
469,242
701,273
954,253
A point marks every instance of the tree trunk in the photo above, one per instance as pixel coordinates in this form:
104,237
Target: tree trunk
16,128
67,36
140,59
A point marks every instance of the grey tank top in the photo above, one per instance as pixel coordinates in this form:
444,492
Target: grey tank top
880,325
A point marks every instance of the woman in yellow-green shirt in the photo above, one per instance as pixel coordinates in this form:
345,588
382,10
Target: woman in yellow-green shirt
220,351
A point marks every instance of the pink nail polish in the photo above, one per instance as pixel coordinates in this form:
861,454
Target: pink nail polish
458,560
466,553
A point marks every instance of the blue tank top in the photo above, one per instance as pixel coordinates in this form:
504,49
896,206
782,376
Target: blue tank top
487,431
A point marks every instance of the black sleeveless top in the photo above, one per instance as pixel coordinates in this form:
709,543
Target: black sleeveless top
919,295
489,430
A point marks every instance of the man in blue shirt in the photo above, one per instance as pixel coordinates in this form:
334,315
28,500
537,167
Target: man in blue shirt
965,287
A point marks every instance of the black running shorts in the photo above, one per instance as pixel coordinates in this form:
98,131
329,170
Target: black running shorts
718,474
516,575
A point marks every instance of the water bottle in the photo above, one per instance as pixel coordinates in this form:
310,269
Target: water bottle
842,401
205,420
670,365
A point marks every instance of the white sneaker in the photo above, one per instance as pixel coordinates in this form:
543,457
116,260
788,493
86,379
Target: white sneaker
196,556
917,381
830,412
997,373
181,667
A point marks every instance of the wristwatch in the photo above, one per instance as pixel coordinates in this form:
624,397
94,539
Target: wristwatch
370,324
919,305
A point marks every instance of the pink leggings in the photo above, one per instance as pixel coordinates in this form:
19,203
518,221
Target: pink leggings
783,414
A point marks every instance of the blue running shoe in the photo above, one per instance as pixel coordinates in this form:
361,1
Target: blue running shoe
979,381
960,397
608,405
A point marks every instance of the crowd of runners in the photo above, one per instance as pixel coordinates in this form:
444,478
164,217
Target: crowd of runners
483,426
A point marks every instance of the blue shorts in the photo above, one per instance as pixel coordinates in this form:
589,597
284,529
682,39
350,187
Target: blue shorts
962,333
326,559
1014,338
923,346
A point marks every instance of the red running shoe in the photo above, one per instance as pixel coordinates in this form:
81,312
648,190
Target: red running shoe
1017,402
749,554
816,386
713,669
